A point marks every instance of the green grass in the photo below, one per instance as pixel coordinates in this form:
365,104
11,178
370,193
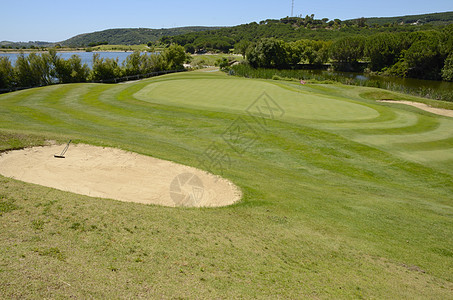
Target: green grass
142,47
344,197
211,59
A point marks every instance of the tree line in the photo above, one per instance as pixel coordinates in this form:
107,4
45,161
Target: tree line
421,54
290,29
48,68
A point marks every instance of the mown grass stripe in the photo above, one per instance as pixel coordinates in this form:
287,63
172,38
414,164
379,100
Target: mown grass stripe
423,124
428,145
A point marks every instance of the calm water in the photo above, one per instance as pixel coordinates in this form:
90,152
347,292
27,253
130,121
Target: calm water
87,57
409,83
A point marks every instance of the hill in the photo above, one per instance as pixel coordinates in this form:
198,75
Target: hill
297,28
442,18
38,44
223,38
129,36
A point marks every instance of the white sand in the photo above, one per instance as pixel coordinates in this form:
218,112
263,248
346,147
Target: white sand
423,106
117,174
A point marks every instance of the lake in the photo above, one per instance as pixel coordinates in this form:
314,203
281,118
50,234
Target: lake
87,57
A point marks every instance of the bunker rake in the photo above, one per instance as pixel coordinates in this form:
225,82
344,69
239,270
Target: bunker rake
63,152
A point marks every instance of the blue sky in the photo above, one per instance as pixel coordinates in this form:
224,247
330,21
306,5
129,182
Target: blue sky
49,20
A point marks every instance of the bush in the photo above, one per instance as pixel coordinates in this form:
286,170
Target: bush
105,69
198,62
33,70
175,56
223,63
69,71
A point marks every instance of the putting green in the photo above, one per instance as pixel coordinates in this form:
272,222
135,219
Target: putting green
237,94
401,131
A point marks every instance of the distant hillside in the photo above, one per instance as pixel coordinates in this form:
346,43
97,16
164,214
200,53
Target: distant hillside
308,27
129,36
8,44
223,38
434,19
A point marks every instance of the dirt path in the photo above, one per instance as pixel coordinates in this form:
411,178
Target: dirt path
116,174
423,106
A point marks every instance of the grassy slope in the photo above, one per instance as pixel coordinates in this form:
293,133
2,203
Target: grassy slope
355,207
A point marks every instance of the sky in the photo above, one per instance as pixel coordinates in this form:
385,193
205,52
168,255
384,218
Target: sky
53,21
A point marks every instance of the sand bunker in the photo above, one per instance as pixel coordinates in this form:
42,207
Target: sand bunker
117,174
423,106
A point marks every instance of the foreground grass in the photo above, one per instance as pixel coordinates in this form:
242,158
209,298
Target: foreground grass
337,204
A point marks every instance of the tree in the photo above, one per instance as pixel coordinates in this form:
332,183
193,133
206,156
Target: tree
105,69
347,50
383,50
269,53
223,63
241,47
33,70
175,56
69,71
155,63
346,53
446,40
138,63
7,75
79,72
133,63
317,52
362,22
296,51
189,48
447,70
424,59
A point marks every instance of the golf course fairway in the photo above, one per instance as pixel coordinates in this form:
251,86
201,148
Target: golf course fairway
343,196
